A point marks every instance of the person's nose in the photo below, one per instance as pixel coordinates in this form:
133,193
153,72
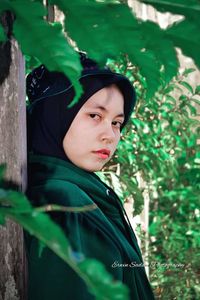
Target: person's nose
107,133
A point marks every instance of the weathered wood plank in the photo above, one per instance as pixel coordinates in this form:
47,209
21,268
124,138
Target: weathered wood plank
13,153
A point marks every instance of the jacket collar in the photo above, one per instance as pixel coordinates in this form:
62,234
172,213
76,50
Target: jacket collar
42,167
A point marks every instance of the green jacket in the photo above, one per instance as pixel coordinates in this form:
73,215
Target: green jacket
102,233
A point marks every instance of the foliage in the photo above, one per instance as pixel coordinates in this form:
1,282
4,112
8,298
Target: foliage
161,145
100,24
46,42
160,141
185,33
17,207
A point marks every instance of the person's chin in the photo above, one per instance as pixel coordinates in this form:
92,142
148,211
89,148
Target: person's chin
94,167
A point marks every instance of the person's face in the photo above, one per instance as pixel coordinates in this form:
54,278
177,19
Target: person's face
95,127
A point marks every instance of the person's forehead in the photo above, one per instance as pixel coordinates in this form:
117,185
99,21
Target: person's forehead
105,96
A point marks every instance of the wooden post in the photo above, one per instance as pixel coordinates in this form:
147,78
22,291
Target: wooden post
13,153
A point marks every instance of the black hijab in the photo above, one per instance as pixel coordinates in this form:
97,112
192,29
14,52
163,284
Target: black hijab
49,93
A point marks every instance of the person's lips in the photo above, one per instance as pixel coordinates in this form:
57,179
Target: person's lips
103,153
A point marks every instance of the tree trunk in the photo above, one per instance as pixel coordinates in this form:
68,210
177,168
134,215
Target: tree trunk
13,153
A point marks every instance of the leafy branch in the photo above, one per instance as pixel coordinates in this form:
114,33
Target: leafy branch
94,22
16,206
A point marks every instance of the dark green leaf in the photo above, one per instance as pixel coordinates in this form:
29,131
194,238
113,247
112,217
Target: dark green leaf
188,71
186,36
2,34
52,47
168,89
183,98
187,86
162,48
4,5
197,90
93,23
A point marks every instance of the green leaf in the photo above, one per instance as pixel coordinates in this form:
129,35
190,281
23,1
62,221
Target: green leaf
4,5
50,45
31,63
197,90
183,98
187,86
171,99
162,48
138,198
168,89
138,123
93,23
101,279
192,109
188,71
186,35
17,207
180,7
52,235
17,201
2,34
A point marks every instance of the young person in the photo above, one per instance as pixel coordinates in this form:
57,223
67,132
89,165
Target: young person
66,147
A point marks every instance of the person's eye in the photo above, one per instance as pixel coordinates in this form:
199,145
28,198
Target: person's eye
117,124
95,116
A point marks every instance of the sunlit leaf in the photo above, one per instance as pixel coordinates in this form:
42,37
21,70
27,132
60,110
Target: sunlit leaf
197,90
187,86
182,7
101,278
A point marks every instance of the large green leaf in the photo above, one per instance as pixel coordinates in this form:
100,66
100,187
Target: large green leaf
102,279
181,7
100,283
186,35
107,29
44,41
162,47
14,201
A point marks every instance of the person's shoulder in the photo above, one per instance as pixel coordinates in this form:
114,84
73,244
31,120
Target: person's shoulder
66,192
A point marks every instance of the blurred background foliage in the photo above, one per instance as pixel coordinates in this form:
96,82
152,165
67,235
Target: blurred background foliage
160,143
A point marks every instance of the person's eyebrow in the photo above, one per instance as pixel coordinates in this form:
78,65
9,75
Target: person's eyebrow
104,109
